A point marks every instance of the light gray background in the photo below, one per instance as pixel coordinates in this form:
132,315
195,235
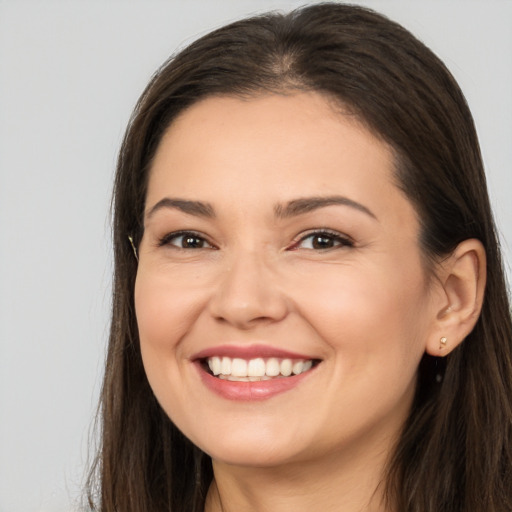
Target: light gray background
70,73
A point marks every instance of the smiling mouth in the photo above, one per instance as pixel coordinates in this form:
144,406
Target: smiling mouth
257,369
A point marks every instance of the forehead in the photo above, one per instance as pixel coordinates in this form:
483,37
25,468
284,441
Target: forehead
271,147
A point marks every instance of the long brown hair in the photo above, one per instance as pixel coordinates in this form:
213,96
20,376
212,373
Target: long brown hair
455,452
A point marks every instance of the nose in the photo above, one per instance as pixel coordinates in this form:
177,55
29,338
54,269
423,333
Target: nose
247,294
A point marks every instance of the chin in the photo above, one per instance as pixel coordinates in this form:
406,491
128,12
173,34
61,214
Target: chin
257,446
252,456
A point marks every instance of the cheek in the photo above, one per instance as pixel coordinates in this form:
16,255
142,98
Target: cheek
163,318
154,319
164,311
369,313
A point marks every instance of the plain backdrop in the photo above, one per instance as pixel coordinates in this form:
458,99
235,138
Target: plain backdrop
70,73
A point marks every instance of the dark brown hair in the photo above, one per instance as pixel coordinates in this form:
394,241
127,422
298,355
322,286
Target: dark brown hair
455,452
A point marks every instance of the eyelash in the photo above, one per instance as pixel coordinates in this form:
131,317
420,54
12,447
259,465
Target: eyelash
333,236
167,239
336,238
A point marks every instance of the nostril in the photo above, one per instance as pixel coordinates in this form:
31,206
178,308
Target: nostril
247,294
246,315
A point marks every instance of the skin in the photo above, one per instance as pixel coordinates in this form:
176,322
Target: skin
365,308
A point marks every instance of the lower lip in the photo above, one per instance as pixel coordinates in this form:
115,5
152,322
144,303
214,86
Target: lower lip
250,391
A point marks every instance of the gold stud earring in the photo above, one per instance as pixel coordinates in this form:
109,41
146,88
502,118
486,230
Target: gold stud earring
133,247
442,342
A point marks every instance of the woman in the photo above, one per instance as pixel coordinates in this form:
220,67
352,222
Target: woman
309,304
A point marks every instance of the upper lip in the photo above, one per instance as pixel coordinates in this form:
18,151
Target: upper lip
248,352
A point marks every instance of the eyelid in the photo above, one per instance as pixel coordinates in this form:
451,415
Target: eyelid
166,239
345,240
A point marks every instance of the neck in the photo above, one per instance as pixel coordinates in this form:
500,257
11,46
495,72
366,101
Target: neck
332,483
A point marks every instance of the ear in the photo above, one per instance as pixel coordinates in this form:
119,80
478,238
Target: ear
462,279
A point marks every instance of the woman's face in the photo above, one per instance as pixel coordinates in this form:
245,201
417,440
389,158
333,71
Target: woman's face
279,254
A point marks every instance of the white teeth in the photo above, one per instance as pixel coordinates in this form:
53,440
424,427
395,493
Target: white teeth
257,369
286,367
237,378
298,367
215,365
225,366
243,379
273,367
239,368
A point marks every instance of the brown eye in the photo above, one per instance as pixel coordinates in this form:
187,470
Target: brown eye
323,240
192,242
185,240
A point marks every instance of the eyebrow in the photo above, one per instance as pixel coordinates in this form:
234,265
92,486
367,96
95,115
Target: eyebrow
197,208
291,209
308,204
